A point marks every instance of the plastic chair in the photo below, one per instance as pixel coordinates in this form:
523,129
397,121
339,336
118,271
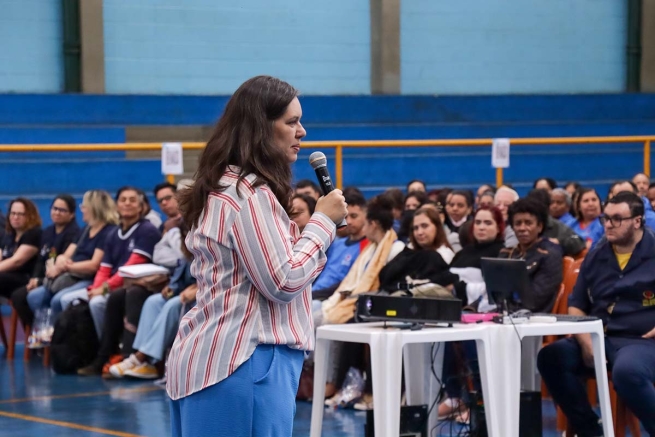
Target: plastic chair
10,343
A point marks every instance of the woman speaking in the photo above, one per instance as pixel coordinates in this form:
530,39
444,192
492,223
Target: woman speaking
236,362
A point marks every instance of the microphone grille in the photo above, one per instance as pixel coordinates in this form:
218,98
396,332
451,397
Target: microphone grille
317,159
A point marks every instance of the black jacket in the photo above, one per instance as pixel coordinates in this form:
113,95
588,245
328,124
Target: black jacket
417,264
572,244
544,264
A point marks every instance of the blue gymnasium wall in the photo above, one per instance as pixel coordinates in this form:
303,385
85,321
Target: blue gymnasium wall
212,46
89,119
31,51
512,46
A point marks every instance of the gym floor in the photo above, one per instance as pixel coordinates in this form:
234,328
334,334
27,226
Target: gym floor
36,402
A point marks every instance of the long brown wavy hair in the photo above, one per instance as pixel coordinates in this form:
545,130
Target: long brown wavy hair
243,137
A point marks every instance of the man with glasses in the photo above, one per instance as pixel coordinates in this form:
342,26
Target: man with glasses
616,283
165,193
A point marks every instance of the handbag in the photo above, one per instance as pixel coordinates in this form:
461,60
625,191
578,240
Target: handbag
65,280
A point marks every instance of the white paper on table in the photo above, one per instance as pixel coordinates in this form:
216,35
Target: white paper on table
172,159
500,153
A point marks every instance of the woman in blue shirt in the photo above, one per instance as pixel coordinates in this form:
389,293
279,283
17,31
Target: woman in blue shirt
587,224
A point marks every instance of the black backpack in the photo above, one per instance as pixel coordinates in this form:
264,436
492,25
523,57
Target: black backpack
74,342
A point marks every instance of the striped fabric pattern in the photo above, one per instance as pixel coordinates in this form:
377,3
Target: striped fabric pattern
254,271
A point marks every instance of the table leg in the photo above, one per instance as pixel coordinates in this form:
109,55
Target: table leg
489,390
386,385
530,378
421,387
321,361
598,344
506,353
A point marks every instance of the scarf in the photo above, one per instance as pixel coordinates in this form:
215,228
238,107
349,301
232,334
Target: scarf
362,277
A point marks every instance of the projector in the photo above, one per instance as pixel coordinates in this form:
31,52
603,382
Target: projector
378,307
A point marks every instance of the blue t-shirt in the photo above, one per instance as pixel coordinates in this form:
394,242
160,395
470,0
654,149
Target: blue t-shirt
87,245
567,219
54,244
340,257
593,232
140,238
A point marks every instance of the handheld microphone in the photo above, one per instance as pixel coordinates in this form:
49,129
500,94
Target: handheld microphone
318,161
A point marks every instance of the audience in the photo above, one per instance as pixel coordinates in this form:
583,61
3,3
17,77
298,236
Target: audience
20,246
167,200
302,209
55,241
587,223
651,195
308,188
572,187
148,213
543,258
132,242
344,251
416,185
426,257
504,198
397,199
642,182
556,231
483,189
560,206
547,184
487,235
3,223
629,186
614,284
414,200
486,200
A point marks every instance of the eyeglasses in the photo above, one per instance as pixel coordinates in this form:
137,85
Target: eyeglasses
61,210
164,199
615,221
17,214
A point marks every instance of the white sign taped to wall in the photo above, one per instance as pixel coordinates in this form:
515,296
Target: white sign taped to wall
172,159
500,153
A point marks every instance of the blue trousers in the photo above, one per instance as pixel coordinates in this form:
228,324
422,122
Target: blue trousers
158,325
258,399
632,363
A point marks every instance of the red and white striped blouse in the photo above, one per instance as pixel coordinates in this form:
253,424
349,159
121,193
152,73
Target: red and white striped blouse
254,271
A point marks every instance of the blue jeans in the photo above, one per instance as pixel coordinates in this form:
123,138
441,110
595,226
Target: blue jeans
55,301
632,362
258,399
158,325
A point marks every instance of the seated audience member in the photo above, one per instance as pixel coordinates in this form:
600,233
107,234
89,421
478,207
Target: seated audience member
20,245
504,198
483,189
529,218
426,257
556,231
416,185
641,182
414,200
158,322
397,200
621,186
547,184
3,224
651,195
571,188
486,200
132,242
308,188
615,284
303,207
344,251
363,276
433,196
459,206
165,193
81,260
560,206
55,241
587,223
150,214
487,232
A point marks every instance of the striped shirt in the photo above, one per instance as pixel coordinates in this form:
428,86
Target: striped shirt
254,271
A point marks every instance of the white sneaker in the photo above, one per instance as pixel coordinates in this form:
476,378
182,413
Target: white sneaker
118,370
